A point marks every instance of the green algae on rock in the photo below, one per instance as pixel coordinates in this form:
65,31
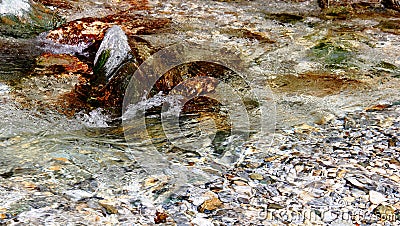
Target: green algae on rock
285,17
333,54
25,18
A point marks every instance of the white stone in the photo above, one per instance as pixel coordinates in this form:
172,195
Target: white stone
376,197
198,200
4,89
199,221
244,190
77,195
329,216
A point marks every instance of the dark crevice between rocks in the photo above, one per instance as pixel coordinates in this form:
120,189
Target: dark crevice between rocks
7,175
342,10
286,17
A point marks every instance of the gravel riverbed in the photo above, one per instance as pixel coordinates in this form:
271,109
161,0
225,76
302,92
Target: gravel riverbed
333,158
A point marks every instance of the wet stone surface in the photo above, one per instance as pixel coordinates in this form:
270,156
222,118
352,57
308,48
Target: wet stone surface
65,158
24,18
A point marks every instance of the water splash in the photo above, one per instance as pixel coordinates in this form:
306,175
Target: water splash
48,45
94,119
157,100
13,7
4,89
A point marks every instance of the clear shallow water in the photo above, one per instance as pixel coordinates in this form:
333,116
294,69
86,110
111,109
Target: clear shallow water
32,144
16,57
88,152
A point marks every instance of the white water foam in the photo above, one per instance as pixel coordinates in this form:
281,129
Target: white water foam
14,7
4,89
157,100
48,45
95,119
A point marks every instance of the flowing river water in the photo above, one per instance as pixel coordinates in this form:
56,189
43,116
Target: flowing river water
304,74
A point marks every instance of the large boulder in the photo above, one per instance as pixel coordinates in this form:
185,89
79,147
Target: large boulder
117,58
113,52
92,29
25,18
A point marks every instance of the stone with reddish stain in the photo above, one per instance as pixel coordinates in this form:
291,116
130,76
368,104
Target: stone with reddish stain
161,217
57,3
51,84
89,30
76,5
195,87
209,72
49,63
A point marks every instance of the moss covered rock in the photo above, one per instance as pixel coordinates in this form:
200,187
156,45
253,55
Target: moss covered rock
25,18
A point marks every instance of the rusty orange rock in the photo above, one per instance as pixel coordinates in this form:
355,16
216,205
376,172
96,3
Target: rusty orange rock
57,3
210,205
89,30
70,4
160,217
378,107
49,63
